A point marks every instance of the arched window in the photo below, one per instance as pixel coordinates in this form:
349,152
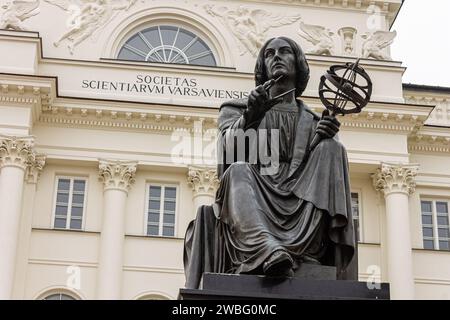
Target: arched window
59,296
167,44
153,296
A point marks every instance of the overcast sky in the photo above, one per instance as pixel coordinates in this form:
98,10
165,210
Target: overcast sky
423,41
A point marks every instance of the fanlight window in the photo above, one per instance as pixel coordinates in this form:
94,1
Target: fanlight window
59,296
167,44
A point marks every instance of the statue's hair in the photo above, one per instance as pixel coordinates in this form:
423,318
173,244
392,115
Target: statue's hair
301,66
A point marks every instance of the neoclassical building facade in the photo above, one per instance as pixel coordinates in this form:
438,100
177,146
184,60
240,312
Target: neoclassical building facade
108,114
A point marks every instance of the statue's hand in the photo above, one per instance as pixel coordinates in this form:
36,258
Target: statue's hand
259,103
328,126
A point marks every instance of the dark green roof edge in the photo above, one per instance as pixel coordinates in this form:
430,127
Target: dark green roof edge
427,88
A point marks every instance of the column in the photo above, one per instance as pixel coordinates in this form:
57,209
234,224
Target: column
396,182
32,175
204,183
117,177
16,155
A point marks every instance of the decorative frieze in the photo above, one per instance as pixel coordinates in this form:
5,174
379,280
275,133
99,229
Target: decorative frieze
203,179
26,94
320,37
128,120
441,112
117,174
93,16
16,12
395,178
376,43
249,25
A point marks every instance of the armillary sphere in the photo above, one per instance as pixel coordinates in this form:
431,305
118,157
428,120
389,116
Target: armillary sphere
345,89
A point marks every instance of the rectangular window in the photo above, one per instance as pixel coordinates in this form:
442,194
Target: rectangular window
69,203
356,215
435,225
161,210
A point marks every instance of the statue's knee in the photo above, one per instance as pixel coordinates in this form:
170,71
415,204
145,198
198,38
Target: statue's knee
239,168
329,144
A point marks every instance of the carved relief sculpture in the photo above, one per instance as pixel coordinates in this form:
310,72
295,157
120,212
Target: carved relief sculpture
249,26
320,37
347,35
87,16
375,44
16,12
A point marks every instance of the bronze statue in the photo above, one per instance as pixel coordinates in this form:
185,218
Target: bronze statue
269,224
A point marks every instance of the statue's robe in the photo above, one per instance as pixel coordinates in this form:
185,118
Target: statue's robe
304,208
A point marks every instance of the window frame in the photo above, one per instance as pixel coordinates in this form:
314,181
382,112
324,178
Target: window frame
176,24
435,226
163,185
69,203
60,296
360,215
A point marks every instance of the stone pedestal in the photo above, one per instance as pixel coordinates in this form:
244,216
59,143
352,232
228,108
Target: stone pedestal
235,287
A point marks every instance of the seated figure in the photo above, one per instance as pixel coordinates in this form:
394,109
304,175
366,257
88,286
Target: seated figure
269,222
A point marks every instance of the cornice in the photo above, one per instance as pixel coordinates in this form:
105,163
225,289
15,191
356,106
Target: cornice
395,117
163,122
430,140
24,91
130,120
441,102
386,6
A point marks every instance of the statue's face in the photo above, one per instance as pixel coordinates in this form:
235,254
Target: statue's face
279,59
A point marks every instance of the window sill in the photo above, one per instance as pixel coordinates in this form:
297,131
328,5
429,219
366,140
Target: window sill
65,230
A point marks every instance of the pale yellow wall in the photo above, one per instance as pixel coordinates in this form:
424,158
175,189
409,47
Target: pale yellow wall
25,57
432,274
152,265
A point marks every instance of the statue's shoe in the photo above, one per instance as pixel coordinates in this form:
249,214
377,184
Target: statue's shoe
279,264
310,260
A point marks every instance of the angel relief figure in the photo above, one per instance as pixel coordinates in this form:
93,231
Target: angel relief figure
320,37
16,12
375,44
87,17
249,26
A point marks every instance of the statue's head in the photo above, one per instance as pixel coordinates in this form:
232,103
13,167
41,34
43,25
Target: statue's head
282,56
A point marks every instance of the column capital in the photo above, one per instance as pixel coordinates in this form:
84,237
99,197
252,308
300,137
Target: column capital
203,179
396,178
34,169
16,151
117,174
